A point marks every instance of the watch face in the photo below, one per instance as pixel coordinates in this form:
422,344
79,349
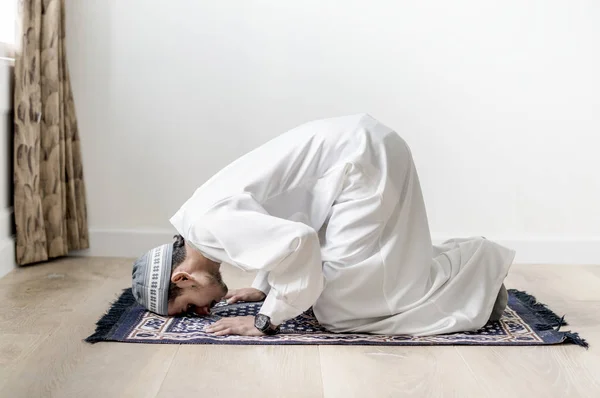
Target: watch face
261,322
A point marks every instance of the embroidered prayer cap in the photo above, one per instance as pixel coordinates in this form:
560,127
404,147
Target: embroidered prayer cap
151,276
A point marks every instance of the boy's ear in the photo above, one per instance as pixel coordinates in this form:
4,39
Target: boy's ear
182,279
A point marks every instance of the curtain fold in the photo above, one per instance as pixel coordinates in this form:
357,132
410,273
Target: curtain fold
50,199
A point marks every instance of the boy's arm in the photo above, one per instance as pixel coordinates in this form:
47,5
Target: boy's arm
287,254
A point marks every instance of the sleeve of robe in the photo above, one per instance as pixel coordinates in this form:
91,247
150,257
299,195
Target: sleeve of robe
286,253
261,282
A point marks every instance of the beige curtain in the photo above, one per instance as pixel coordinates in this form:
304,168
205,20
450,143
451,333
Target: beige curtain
50,203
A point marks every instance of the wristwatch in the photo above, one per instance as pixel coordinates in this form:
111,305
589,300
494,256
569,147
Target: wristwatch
263,323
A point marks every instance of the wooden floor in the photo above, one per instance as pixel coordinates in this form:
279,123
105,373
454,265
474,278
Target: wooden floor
46,311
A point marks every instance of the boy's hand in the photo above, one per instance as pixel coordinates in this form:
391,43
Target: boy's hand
245,294
239,325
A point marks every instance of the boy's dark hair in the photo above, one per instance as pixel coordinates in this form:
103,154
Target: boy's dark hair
177,258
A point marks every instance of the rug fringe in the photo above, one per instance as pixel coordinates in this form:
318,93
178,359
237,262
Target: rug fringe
110,318
550,319
575,339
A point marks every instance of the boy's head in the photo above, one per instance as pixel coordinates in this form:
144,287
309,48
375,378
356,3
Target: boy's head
175,279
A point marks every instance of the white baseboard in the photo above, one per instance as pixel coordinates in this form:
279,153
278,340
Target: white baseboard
7,256
7,243
568,251
551,250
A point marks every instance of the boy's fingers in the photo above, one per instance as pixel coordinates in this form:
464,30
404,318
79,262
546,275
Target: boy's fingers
224,332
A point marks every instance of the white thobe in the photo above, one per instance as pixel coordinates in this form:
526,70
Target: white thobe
332,217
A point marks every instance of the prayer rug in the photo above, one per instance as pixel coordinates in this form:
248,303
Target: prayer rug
525,323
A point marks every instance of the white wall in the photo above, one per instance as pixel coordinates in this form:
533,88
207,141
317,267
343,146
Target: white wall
7,256
499,101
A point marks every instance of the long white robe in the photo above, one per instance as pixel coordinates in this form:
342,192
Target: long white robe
332,216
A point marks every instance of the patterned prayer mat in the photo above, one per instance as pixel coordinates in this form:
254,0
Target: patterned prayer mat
525,322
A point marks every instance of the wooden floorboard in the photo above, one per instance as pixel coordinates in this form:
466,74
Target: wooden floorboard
560,371
244,371
350,371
